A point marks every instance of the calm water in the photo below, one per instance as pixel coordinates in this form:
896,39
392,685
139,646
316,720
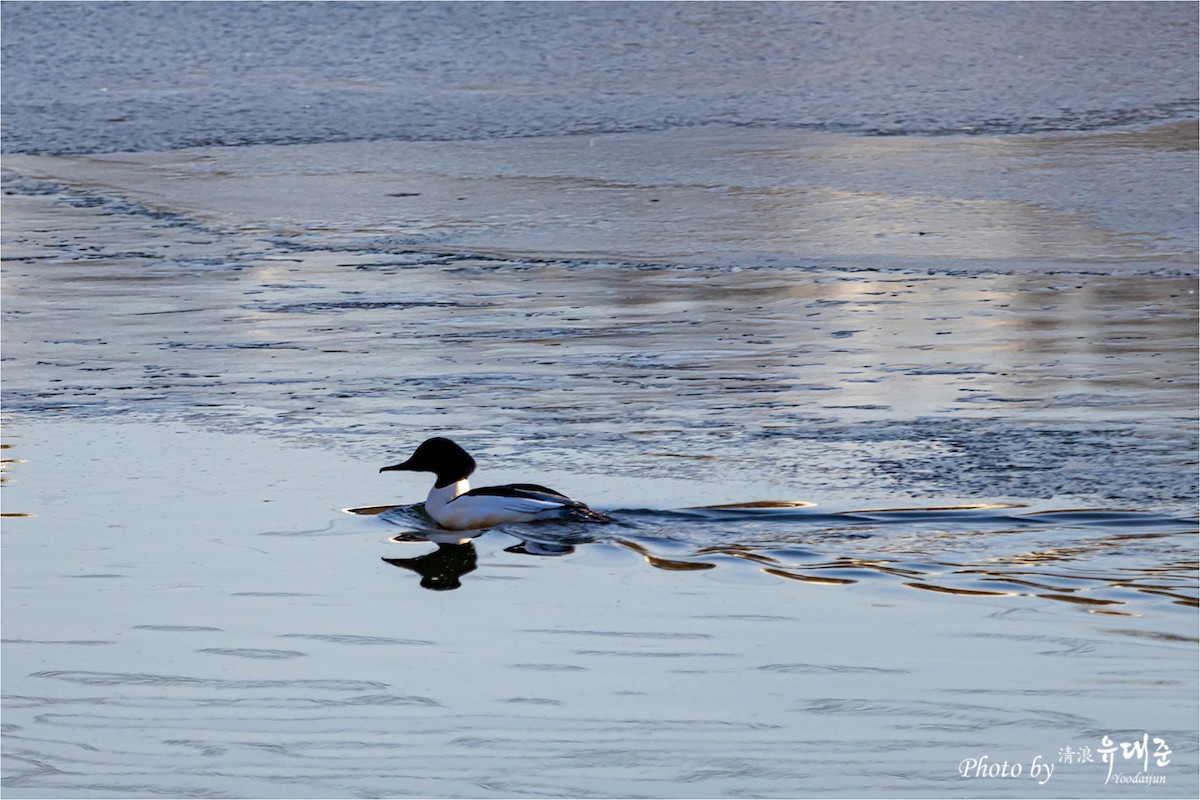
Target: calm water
218,629
899,431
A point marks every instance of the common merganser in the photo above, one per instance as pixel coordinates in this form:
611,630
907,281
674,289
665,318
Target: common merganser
455,505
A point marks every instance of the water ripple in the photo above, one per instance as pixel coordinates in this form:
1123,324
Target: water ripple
348,639
248,652
1101,561
146,679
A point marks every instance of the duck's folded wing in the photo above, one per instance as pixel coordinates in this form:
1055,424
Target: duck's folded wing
533,488
529,498
526,498
529,491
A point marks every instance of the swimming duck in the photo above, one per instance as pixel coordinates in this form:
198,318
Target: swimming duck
455,505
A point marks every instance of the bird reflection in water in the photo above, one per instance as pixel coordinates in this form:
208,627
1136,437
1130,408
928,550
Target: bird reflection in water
443,568
455,556
528,547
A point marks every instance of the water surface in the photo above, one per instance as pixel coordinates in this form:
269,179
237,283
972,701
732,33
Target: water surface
229,633
176,75
872,325
875,387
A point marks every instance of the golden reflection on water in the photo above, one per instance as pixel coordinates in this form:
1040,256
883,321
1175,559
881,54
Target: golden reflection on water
664,563
766,504
1067,598
5,467
931,587
974,507
6,464
1049,585
367,510
797,576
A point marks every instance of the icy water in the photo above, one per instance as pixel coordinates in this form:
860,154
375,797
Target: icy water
895,411
171,75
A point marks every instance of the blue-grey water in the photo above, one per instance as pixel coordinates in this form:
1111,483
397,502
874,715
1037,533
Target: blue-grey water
101,77
873,326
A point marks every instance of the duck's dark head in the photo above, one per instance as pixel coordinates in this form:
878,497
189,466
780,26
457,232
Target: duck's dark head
440,456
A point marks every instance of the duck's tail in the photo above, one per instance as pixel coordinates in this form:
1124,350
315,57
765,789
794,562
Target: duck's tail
581,513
